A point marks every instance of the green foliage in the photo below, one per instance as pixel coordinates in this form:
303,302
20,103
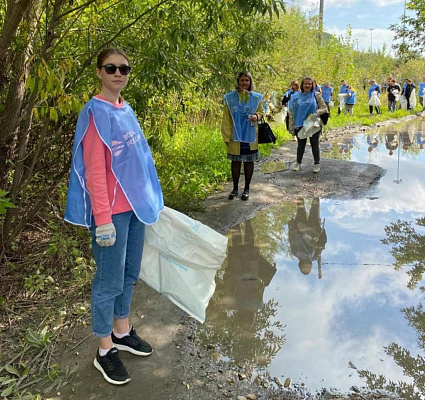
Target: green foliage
410,31
4,202
38,282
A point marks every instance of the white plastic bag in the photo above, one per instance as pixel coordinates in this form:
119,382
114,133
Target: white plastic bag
374,100
279,118
403,103
180,260
412,99
341,100
310,126
331,103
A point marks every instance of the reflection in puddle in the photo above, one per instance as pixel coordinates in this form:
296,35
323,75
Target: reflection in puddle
238,318
357,320
307,236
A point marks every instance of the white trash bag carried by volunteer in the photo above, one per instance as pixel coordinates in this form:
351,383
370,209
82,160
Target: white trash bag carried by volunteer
180,259
374,99
412,99
403,103
341,100
279,117
311,125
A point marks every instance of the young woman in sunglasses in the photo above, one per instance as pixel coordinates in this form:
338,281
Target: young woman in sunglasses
114,191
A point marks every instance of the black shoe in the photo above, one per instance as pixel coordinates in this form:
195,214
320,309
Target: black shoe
132,343
111,367
245,196
233,194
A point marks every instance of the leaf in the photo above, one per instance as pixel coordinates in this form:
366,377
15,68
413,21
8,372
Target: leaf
12,370
7,391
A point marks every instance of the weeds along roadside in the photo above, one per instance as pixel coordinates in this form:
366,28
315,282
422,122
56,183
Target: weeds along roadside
45,281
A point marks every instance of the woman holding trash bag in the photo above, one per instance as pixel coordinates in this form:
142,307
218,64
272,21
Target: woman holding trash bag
374,92
114,191
305,104
239,128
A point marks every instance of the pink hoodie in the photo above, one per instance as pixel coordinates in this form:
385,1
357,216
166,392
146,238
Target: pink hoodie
106,195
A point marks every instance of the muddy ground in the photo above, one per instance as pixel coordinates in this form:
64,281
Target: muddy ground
180,368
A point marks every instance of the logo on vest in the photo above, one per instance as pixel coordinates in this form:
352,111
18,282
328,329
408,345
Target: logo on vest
117,148
131,138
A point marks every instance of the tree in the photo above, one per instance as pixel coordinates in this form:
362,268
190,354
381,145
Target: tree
48,52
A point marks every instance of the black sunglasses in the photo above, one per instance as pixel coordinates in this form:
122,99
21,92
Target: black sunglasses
111,68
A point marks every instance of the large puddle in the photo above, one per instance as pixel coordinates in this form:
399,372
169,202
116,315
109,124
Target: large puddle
328,292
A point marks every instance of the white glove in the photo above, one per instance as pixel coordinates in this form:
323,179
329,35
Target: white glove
106,235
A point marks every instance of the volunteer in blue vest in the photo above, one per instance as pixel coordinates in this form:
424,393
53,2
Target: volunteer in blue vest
114,191
327,94
421,93
350,100
293,91
374,87
301,106
243,108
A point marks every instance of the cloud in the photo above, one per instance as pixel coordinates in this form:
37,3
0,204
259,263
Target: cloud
385,3
362,16
310,4
364,37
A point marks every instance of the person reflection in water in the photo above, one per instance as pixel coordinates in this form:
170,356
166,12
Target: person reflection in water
391,142
307,236
247,275
238,317
372,142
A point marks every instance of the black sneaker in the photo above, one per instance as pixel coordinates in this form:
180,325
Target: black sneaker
111,367
132,343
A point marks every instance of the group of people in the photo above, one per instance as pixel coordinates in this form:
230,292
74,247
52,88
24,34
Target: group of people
115,192
242,111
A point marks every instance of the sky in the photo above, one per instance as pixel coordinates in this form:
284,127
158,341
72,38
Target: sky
362,16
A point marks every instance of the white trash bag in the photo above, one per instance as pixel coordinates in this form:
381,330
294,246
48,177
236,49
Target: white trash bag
403,103
396,94
374,99
180,259
279,118
341,100
311,125
412,99
331,103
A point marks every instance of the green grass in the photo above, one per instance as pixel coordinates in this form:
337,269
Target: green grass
362,117
192,162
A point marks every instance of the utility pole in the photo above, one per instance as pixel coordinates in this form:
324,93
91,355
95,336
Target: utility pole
321,22
371,48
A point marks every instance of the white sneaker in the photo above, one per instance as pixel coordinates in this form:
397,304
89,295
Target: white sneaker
296,167
316,168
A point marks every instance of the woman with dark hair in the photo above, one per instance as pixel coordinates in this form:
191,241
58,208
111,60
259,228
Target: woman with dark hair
301,106
114,191
293,90
239,128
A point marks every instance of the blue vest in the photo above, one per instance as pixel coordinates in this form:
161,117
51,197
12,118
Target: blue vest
243,130
326,93
421,92
343,88
374,88
302,106
351,99
132,163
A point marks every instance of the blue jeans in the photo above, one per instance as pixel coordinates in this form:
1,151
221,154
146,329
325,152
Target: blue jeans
118,269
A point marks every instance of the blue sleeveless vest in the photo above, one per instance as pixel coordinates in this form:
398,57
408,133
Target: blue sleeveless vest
132,163
243,131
